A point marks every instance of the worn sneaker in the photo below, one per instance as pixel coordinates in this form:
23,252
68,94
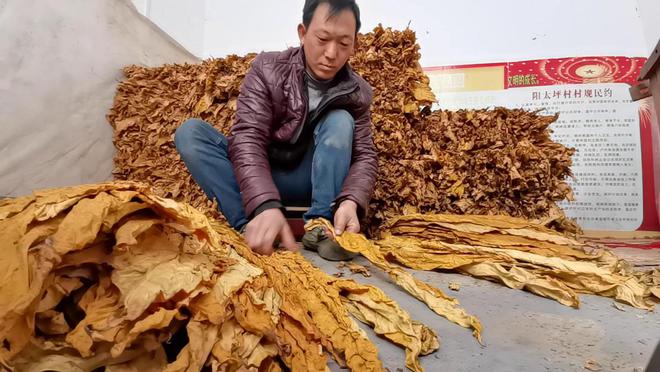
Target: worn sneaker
317,240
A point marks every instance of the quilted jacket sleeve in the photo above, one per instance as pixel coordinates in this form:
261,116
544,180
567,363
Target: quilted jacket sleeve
250,137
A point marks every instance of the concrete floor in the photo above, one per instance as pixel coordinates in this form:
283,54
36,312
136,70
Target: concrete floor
522,331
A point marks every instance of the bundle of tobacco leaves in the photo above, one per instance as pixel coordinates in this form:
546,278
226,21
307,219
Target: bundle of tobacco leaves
113,276
515,252
470,162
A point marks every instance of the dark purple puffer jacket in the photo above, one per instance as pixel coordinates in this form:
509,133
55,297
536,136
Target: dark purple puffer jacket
272,104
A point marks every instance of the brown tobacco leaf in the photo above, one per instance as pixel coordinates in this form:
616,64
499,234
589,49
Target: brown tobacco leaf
592,365
52,322
490,162
355,268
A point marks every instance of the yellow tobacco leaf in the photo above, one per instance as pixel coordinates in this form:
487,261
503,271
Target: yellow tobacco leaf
47,211
128,232
194,220
61,287
431,255
153,268
82,224
11,206
371,306
103,314
97,253
301,350
194,355
36,360
52,322
656,292
15,272
329,316
253,319
266,297
212,306
17,314
519,278
518,253
152,361
119,212
442,304
237,348
634,293
160,319
323,323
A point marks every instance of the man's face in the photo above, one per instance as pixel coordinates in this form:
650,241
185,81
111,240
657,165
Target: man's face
328,41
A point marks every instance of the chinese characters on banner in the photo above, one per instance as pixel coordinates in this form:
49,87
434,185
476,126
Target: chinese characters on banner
613,168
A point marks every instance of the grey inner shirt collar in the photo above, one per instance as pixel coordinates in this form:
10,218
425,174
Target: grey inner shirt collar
320,85
316,92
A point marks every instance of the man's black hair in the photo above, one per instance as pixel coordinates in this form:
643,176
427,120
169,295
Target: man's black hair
336,6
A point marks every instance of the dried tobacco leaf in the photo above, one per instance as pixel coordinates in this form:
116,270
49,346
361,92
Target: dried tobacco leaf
355,268
109,273
371,306
516,252
454,286
439,302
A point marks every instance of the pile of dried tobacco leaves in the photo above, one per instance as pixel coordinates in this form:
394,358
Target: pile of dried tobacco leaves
469,162
114,276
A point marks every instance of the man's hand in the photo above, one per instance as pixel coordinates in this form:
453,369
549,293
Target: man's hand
346,218
261,232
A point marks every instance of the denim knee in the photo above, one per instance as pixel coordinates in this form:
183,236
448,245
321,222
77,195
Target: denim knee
336,130
188,133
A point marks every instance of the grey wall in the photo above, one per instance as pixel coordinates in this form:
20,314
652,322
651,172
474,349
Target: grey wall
60,61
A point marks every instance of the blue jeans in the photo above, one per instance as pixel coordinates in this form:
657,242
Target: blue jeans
316,181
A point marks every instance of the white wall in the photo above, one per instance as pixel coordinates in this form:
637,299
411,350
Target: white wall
240,27
142,6
649,12
181,19
449,31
